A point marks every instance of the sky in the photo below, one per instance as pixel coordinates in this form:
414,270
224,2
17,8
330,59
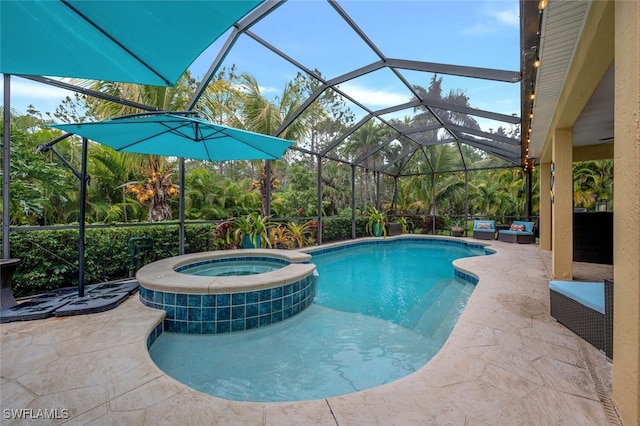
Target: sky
470,33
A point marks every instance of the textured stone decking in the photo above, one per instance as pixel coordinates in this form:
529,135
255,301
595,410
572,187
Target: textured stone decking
506,363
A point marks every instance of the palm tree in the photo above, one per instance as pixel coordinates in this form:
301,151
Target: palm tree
359,143
490,199
457,97
260,115
592,181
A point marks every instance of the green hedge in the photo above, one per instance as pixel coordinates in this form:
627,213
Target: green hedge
339,228
49,258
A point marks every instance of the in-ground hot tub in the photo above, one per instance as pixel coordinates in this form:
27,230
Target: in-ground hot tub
223,303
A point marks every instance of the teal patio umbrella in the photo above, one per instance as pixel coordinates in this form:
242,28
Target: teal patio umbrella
134,41
179,134
174,134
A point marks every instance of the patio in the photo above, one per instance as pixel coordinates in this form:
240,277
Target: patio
506,362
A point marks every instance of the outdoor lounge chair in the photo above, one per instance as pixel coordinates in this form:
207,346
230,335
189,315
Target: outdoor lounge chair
519,232
484,229
586,308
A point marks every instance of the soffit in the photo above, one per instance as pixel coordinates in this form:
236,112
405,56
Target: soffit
562,25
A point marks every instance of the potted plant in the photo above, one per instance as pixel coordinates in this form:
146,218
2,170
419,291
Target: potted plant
252,230
299,234
376,222
457,230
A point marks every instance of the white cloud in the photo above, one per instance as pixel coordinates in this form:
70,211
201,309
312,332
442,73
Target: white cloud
43,97
509,17
36,91
493,20
373,97
264,89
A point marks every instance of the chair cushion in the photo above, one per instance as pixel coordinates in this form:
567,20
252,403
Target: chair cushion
528,226
586,293
510,232
483,225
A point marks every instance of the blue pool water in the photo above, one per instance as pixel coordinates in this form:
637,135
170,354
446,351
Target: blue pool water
381,312
233,267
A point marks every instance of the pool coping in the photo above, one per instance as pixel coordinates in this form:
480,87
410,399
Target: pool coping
162,275
505,362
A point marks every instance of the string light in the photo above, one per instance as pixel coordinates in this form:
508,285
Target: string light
542,4
536,63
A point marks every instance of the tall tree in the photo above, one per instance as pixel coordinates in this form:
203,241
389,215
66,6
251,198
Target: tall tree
260,115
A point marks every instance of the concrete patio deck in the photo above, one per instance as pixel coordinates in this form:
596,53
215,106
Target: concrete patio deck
506,363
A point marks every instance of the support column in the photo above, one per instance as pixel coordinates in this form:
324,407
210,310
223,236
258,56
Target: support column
181,204
562,207
319,205
545,206
6,165
626,214
353,202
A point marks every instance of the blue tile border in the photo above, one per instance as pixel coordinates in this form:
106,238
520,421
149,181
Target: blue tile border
155,333
433,241
228,312
465,277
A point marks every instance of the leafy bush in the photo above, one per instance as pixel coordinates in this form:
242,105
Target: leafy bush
339,228
49,259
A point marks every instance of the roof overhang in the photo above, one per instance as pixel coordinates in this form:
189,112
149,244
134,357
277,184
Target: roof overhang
570,90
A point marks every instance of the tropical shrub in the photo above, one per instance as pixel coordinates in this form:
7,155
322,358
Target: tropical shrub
49,259
299,234
254,226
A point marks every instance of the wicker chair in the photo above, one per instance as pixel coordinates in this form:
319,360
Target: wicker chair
484,229
525,236
586,309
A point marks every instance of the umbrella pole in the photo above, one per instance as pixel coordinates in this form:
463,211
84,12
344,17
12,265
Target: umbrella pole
6,166
83,196
181,207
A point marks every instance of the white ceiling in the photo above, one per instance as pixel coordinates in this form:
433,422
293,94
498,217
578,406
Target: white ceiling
595,124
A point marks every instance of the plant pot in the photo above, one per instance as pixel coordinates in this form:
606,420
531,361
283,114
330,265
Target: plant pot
248,244
457,232
377,229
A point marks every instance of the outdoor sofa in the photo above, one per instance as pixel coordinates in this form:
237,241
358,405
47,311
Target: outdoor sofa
484,229
586,308
519,232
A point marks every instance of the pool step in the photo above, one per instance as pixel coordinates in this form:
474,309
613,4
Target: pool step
437,312
428,299
442,332
439,318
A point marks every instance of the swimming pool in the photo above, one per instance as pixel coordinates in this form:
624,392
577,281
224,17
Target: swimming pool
370,324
